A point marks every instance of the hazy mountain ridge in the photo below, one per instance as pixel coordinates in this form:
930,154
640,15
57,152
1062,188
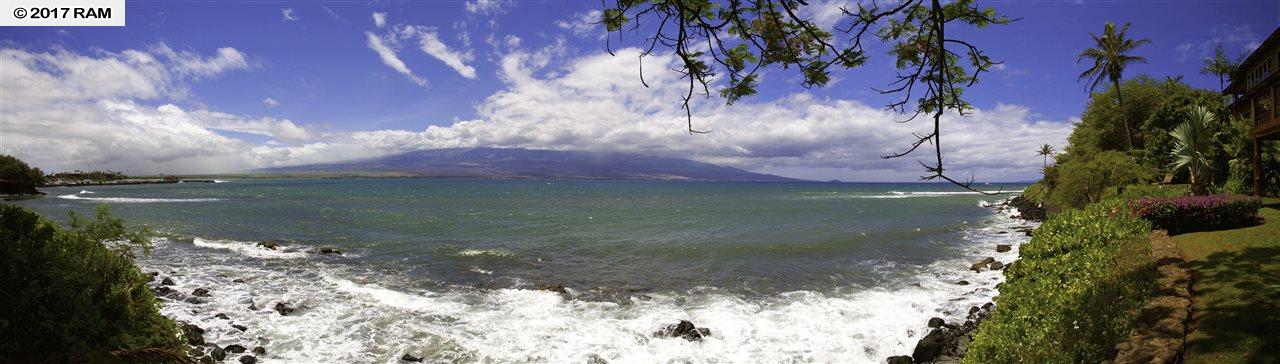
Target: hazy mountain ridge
519,163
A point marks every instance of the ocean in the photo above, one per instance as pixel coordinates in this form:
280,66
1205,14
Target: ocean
455,270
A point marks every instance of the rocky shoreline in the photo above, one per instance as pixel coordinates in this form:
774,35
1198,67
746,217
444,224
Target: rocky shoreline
947,342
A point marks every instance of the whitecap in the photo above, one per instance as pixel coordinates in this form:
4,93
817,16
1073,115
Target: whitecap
250,249
86,191
137,199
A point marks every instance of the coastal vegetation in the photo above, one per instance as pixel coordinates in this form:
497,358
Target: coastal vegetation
1074,293
18,178
71,292
1110,56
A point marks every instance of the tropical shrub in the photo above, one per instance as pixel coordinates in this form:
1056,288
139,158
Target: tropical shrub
74,290
1192,146
1079,286
1089,178
1198,213
13,169
1143,190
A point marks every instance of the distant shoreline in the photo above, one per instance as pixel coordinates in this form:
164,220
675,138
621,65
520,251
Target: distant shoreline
122,182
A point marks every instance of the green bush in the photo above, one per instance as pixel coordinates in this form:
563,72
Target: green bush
1075,293
1142,190
13,169
74,290
1089,178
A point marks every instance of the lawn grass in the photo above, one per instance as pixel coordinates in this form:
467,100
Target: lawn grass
1237,292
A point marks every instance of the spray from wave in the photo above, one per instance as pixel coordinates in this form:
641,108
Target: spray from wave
135,199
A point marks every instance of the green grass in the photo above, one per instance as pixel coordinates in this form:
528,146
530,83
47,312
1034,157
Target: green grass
1237,317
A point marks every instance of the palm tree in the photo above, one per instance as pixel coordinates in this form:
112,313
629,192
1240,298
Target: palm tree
1192,143
1219,65
1045,150
1110,57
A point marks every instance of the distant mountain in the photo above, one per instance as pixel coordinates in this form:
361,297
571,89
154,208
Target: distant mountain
519,163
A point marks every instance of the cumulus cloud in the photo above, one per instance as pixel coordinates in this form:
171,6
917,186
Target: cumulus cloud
270,102
390,59
288,14
487,7
592,103
64,110
380,19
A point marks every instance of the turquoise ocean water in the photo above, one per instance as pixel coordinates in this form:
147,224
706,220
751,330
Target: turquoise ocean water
450,270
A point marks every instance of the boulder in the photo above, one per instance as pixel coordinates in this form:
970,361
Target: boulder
218,353
963,283
997,265
242,328
270,244
205,359
237,280
900,359
936,322
222,316
557,288
193,300
235,348
685,330
248,359
167,281
258,350
411,358
193,333
163,291
329,250
931,346
1001,248
977,267
200,292
284,309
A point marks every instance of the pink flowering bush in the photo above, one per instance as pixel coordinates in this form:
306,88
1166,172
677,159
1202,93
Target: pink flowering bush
1198,213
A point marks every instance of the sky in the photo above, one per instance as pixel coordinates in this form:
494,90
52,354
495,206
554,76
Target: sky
211,87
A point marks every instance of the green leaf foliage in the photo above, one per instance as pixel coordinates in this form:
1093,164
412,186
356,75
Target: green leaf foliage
1075,293
1081,180
13,169
74,290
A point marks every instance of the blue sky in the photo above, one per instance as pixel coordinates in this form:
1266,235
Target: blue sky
315,64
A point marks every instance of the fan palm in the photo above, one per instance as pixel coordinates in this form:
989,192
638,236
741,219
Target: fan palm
1219,65
1110,57
1192,143
1045,150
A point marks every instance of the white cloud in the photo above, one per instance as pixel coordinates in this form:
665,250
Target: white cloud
584,25
1236,40
592,103
288,14
827,13
64,110
380,19
488,7
429,42
390,59
189,63
270,103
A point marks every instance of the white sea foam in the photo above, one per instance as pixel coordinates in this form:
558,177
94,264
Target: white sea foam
348,315
497,253
136,199
251,249
86,191
220,181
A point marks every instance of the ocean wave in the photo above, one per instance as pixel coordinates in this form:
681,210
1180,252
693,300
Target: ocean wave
251,249
86,191
136,199
492,253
